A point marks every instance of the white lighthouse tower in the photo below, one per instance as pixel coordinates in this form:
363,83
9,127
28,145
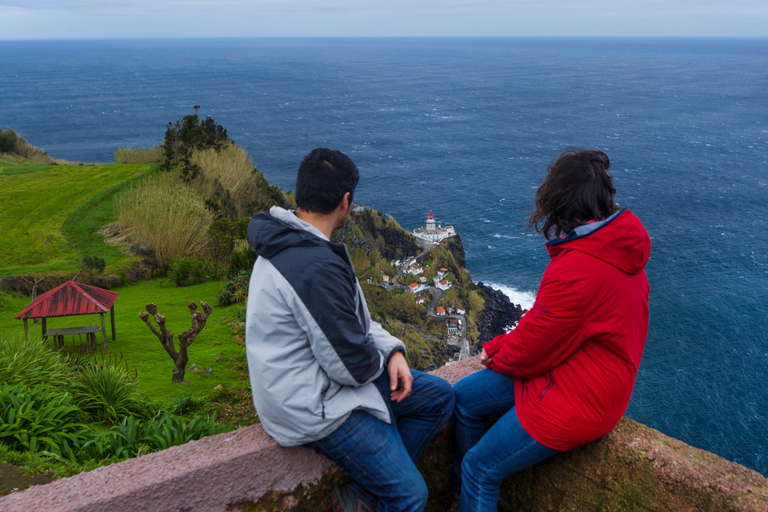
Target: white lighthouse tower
430,223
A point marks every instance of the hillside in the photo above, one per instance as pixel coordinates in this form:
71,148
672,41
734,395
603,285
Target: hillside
51,215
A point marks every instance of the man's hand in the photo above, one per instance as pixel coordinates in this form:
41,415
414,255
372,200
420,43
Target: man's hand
400,378
484,359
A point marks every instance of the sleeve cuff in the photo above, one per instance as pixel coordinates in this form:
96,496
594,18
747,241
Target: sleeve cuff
493,346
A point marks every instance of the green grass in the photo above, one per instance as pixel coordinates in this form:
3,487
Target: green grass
141,349
51,214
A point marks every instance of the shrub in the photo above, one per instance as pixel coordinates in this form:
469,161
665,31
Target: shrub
167,216
134,437
107,394
31,363
242,259
187,271
140,156
224,235
93,263
40,421
235,290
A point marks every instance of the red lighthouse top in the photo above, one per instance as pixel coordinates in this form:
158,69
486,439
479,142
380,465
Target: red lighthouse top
430,215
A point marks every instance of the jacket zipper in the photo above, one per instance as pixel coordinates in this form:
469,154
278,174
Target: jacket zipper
551,383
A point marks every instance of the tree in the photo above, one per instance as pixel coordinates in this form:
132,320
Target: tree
187,135
7,141
180,357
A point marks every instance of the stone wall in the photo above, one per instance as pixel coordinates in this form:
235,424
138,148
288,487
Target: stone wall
632,468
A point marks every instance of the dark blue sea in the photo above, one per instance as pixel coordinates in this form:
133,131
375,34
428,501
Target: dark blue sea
465,128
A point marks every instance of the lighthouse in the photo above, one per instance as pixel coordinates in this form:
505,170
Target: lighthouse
430,223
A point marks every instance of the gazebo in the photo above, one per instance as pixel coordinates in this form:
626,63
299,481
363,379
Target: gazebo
71,299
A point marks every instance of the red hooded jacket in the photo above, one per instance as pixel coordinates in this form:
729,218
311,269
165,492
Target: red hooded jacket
575,354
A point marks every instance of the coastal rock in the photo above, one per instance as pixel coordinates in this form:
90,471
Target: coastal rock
499,314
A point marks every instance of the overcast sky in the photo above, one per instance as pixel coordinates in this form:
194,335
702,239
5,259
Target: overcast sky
46,19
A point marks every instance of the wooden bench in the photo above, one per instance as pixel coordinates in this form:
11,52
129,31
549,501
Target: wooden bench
58,335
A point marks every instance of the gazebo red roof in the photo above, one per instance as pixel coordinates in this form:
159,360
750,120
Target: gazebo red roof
70,298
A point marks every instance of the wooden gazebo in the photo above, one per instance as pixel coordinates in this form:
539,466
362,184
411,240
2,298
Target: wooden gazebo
71,299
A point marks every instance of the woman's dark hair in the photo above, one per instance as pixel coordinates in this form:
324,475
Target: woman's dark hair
324,176
578,188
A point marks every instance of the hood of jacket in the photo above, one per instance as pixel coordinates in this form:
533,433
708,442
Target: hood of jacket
619,240
269,233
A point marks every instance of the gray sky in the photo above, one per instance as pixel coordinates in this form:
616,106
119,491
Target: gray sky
46,19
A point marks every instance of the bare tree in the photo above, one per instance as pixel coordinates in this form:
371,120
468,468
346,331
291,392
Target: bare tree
186,338
33,282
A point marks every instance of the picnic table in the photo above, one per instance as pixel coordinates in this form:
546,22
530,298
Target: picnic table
58,335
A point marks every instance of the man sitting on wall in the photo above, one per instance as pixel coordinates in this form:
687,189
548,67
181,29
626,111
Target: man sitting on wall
323,374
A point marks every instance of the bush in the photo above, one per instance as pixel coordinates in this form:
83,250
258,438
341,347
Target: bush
235,290
167,216
134,437
242,259
93,263
40,421
107,394
32,363
187,271
225,235
140,156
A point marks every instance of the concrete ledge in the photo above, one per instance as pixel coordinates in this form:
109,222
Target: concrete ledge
632,468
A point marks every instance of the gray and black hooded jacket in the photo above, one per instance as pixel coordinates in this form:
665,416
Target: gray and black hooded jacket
313,350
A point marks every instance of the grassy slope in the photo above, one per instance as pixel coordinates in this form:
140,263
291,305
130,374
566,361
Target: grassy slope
49,222
50,214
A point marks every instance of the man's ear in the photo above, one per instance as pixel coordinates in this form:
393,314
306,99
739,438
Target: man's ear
346,201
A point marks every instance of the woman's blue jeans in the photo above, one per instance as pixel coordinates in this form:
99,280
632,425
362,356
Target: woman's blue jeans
381,458
486,455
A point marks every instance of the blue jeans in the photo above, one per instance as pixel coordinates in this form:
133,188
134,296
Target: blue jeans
381,458
486,455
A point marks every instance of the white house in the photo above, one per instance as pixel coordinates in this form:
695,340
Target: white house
444,285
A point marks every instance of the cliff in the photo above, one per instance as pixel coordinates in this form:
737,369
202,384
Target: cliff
374,241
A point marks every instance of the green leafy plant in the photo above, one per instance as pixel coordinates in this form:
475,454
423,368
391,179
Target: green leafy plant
31,363
133,437
41,421
235,290
184,403
93,263
106,393
187,271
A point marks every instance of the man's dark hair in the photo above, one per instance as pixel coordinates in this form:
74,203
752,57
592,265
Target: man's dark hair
325,175
578,188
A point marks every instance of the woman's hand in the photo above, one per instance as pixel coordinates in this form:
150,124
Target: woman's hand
484,359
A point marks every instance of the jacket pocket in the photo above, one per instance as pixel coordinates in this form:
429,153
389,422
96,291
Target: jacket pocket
548,386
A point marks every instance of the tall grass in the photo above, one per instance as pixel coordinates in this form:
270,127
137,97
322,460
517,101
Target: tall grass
151,155
31,363
229,172
167,216
107,393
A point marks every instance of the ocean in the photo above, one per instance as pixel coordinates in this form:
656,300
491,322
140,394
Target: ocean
465,128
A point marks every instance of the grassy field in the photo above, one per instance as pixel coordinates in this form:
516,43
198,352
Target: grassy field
51,218
51,214
215,347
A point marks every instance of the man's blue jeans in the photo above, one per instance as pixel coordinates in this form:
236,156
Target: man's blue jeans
486,455
381,458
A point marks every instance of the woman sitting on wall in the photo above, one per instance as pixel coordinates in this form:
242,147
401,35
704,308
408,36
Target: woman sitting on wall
563,377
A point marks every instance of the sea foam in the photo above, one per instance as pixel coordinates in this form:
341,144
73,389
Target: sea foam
524,298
